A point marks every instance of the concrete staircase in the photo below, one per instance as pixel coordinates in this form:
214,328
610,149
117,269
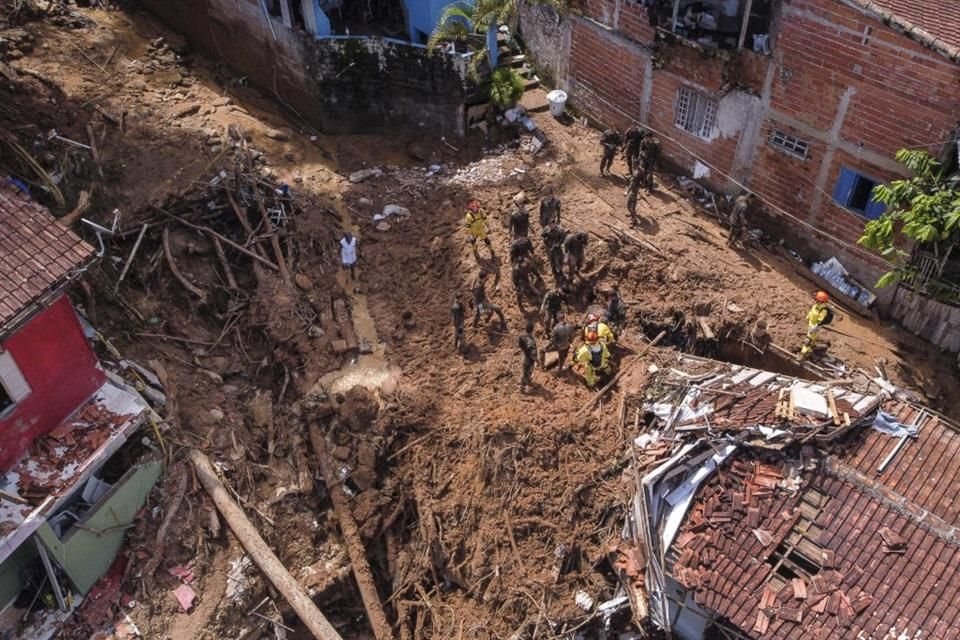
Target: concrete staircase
534,99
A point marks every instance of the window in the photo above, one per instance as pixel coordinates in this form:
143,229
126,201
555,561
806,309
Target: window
721,24
791,145
273,8
696,113
13,386
855,192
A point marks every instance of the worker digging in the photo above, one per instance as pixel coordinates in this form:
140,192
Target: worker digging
314,458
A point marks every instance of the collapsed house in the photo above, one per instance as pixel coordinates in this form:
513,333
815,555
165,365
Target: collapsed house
71,482
794,509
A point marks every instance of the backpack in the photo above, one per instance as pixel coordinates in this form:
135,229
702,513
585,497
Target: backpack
828,318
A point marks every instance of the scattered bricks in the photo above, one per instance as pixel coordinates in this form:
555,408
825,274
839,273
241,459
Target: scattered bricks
339,346
785,593
762,624
753,517
684,539
768,598
833,603
852,576
799,588
820,606
790,614
828,559
737,502
764,536
822,584
860,604
892,541
846,614
188,110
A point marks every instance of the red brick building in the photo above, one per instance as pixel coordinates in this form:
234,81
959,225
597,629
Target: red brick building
803,101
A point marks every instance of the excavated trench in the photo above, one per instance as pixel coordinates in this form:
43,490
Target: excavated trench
736,343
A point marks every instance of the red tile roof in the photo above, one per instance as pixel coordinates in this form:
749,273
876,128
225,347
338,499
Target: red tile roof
925,471
37,254
862,585
935,22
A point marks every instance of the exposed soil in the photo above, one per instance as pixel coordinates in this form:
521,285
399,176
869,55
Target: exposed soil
483,509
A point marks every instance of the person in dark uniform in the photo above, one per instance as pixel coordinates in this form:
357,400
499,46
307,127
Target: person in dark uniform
649,155
458,314
632,140
574,252
550,308
482,306
528,353
521,249
519,222
549,209
610,140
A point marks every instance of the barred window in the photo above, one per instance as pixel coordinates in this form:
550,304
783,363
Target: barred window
789,144
696,113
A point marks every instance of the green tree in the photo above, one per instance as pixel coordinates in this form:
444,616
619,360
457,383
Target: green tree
471,22
924,208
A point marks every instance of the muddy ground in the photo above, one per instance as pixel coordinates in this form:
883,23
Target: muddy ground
483,509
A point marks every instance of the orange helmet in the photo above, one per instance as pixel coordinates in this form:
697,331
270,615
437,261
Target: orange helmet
821,297
591,336
473,206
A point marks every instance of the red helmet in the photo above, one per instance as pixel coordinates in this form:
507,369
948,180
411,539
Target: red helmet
822,297
591,335
473,206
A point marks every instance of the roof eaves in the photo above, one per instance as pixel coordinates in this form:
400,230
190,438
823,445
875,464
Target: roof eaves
909,29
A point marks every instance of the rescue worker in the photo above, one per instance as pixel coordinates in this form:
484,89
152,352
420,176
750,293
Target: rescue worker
594,358
637,178
549,209
457,312
632,139
602,329
525,281
550,308
519,222
649,155
820,314
610,140
553,237
483,306
521,249
574,252
528,351
738,218
561,337
616,314
475,221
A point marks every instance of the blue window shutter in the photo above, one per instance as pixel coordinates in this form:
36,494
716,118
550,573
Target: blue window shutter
841,192
875,209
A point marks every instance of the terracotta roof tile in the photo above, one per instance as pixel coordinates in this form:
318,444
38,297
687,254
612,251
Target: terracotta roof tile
871,590
939,18
36,253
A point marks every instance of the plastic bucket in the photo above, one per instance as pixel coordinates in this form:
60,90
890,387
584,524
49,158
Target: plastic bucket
558,101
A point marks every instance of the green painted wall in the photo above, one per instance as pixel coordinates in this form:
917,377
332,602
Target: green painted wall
86,553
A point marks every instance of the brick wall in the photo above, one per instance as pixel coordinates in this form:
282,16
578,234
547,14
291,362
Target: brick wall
606,74
634,22
785,180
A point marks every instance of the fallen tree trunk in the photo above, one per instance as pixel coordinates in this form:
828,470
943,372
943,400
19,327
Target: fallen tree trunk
261,554
619,375
358,558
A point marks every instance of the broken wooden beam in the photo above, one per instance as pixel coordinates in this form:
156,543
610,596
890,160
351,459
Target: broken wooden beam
355,549
260,553
189,286
223,239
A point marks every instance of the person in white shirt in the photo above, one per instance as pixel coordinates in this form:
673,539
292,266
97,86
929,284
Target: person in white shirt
348,253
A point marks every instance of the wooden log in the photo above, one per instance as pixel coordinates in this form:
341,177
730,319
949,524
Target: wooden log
619,375
189,286
274,240
244,222
222,256
223,239
260,553
355,549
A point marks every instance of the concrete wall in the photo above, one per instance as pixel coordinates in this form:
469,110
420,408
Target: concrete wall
340,84
933,321
851,87
547,39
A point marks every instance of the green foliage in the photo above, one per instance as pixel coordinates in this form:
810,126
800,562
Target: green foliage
924,208
463,22
506,87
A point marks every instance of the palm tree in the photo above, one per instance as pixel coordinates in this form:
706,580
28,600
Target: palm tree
464,21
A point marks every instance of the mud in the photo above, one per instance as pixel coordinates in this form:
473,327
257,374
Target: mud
483,509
